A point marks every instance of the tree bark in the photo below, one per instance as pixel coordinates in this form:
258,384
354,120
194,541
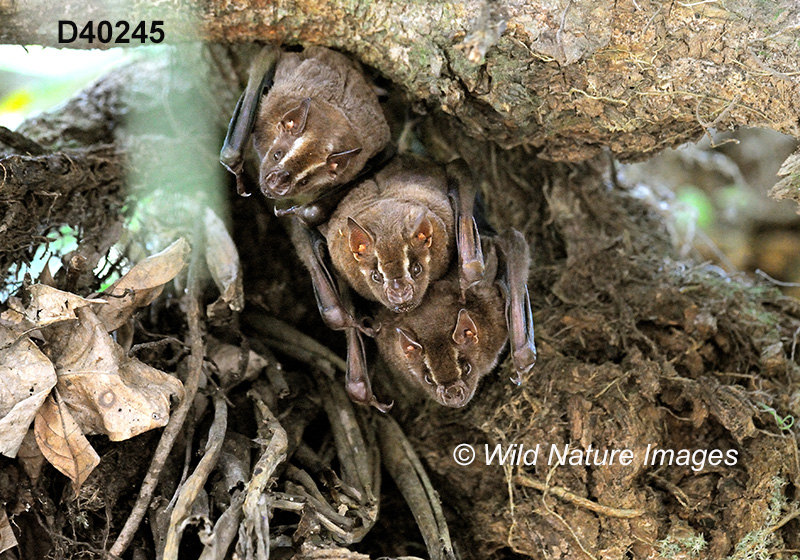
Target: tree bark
566,77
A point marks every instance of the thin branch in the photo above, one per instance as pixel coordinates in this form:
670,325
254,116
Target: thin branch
568,496
176,421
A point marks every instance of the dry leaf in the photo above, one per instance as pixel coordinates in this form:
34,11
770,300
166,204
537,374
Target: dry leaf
106,391
62,442
31,457
229,361
49,305
26,377
142,284
222,260
7,538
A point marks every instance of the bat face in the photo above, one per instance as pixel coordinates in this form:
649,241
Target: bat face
445,347
394,234
304,150
394,257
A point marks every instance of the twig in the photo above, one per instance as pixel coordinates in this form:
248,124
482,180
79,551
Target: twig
17,141
568,496
405,468
175,425
794,343
775,281
784,521
256,502
293,341
194,484
563,521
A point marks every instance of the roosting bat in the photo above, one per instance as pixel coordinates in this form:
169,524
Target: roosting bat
389,238
395,233
315,129
448,344
337,313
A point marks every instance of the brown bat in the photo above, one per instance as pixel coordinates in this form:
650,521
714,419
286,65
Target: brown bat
395,233
315,129
413,210
337,313
454,338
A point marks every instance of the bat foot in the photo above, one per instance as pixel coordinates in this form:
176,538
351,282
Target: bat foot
240,188
368,327
361,393
524,359
471,274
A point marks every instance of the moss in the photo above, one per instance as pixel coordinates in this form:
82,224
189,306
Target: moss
756,545
690,546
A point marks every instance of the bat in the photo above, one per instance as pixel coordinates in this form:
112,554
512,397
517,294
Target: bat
394,234
314,130
337,314
454,338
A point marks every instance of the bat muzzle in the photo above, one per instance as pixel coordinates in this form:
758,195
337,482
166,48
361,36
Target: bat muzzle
399,293
454,395
276,184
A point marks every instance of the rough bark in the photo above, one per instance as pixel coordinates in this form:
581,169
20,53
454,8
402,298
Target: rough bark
567,77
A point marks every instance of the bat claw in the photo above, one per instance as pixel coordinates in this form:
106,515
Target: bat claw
361,393
382,407
524,359
368,327
240,188
470,253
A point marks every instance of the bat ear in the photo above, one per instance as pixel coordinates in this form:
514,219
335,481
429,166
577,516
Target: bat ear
338,162
423,231
411,348
294,121
465,333
361,241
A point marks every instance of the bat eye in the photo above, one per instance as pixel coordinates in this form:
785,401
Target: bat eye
302,182
416,270
277,155
376,276
467,369
428,380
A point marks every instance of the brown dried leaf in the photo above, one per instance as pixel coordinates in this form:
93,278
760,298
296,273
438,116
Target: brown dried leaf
31,457
229,360
26,378
7,538
222,260
106,391
142,284
47,306
62,442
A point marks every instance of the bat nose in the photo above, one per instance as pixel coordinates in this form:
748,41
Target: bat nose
453,394
399,291
276,183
